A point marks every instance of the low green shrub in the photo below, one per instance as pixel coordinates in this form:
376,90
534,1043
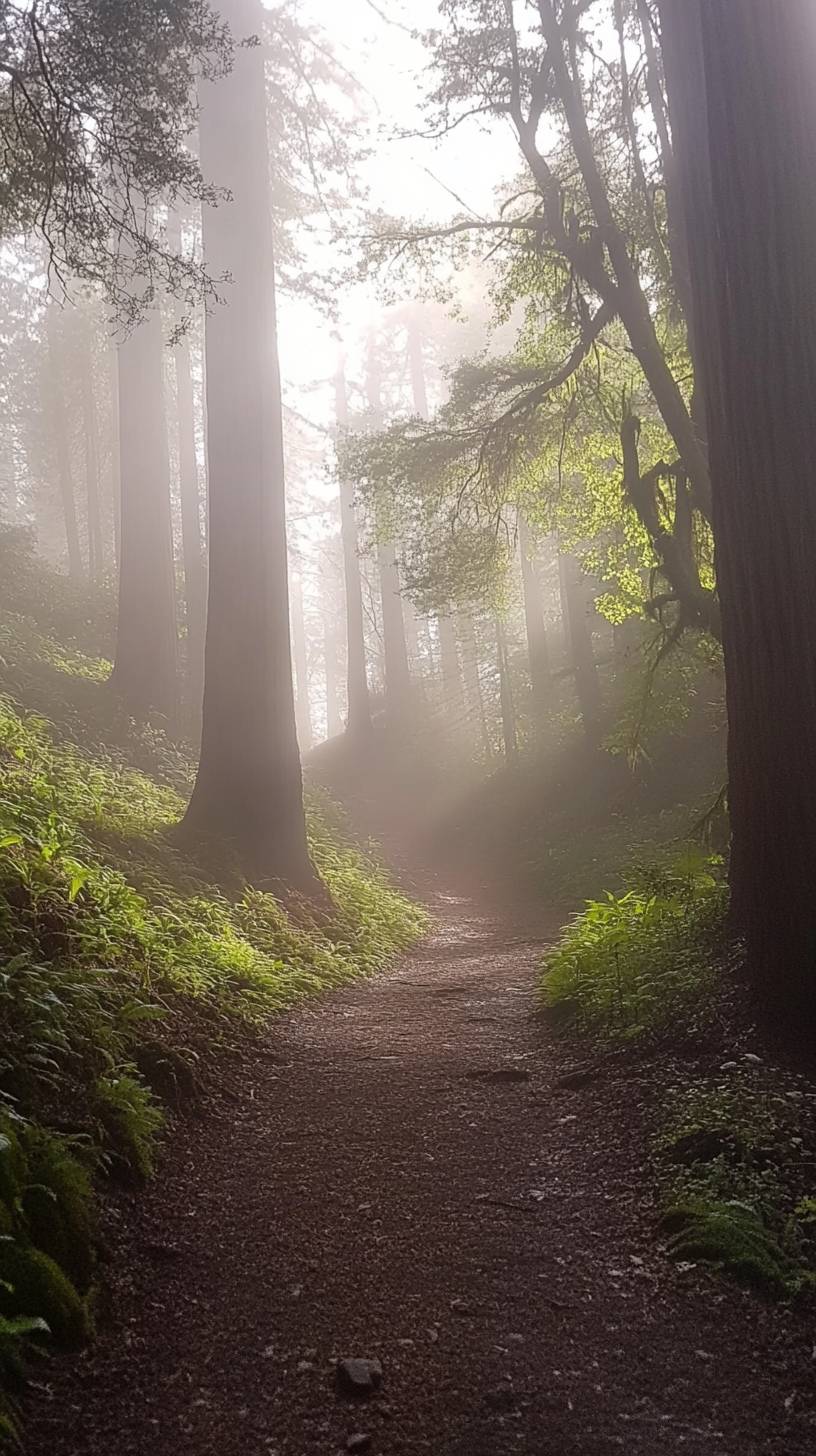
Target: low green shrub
33,1286
130,1121
730,1164
633,962
734,1237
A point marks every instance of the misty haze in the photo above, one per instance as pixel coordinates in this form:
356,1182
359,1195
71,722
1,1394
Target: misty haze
407,727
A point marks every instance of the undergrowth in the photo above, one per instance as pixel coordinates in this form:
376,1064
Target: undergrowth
120,965
734,1158
633,962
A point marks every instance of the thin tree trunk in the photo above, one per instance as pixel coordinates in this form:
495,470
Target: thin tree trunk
195,577
359,724
537,648
145,672
508,710
473,681
62,446
248,792
395,649
334,718
451,670
747,69
578,638
303,713
90,430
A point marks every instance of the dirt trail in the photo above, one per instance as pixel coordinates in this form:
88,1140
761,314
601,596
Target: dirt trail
489,1242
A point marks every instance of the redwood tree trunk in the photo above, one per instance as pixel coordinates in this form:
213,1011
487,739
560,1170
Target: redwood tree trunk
145,670
752,273
249,790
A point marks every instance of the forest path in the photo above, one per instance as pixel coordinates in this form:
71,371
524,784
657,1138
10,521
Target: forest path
367,1193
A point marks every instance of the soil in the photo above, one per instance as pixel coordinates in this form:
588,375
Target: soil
396,1175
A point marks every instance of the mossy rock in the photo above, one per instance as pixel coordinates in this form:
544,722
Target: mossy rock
31,1284
58,1205
732,1236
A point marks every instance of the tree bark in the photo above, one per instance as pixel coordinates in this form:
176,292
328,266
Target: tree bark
145,672
248,793
358,723
752,246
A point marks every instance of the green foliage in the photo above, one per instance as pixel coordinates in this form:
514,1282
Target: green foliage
32,1285
57,1204
630,963
16,1346
730,1168
129,1120
733,1236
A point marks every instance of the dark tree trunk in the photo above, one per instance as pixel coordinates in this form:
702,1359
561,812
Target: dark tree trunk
508,708
195,576
358,722
537,648
751,254
145,671
580,651
248,792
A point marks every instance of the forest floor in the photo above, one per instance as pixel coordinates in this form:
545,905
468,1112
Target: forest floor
396,1175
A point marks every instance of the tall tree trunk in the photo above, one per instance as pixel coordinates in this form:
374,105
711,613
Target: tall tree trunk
578,637
145,672
537,649
359,724
451,670
62,446
334,718
747,68
303,713
416,360
249,790
195,576
473,681
395,648
90,430
508,708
